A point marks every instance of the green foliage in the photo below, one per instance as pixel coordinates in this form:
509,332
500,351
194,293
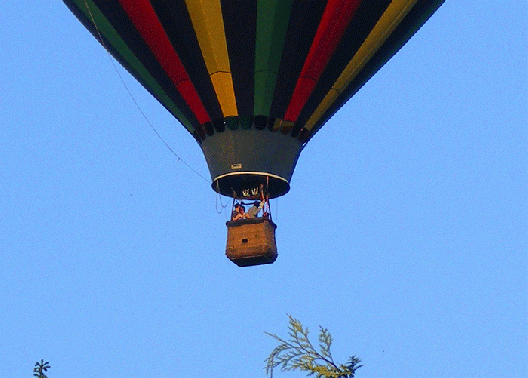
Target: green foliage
40,368
298,353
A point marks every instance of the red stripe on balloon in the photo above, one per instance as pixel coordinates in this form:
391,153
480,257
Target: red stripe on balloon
335,19
147,23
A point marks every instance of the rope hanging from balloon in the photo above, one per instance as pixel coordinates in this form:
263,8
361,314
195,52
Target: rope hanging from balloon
101,40
218,198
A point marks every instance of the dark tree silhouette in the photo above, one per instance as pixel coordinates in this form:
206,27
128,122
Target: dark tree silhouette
40,368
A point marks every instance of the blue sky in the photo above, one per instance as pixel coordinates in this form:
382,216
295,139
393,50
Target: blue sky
404,233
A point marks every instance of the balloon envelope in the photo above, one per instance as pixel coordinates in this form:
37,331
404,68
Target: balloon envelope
252,80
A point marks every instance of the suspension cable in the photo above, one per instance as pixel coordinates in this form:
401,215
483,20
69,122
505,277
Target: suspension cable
218,198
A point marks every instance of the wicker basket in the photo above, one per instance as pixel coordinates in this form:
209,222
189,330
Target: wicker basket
251,241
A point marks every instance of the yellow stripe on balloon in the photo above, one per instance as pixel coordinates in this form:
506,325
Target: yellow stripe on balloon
390,19
206,16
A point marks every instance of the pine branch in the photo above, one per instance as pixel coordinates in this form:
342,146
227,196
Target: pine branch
298,353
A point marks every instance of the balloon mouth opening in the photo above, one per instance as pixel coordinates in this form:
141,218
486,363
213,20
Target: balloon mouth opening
246,185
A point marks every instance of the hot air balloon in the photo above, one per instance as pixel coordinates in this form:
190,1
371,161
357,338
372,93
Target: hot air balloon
252,80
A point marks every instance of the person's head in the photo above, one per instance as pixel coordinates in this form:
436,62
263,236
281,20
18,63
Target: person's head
256,203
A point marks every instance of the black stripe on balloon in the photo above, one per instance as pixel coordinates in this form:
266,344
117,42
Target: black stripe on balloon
405,30
364,20
240,25
177,23
120,21
304,21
